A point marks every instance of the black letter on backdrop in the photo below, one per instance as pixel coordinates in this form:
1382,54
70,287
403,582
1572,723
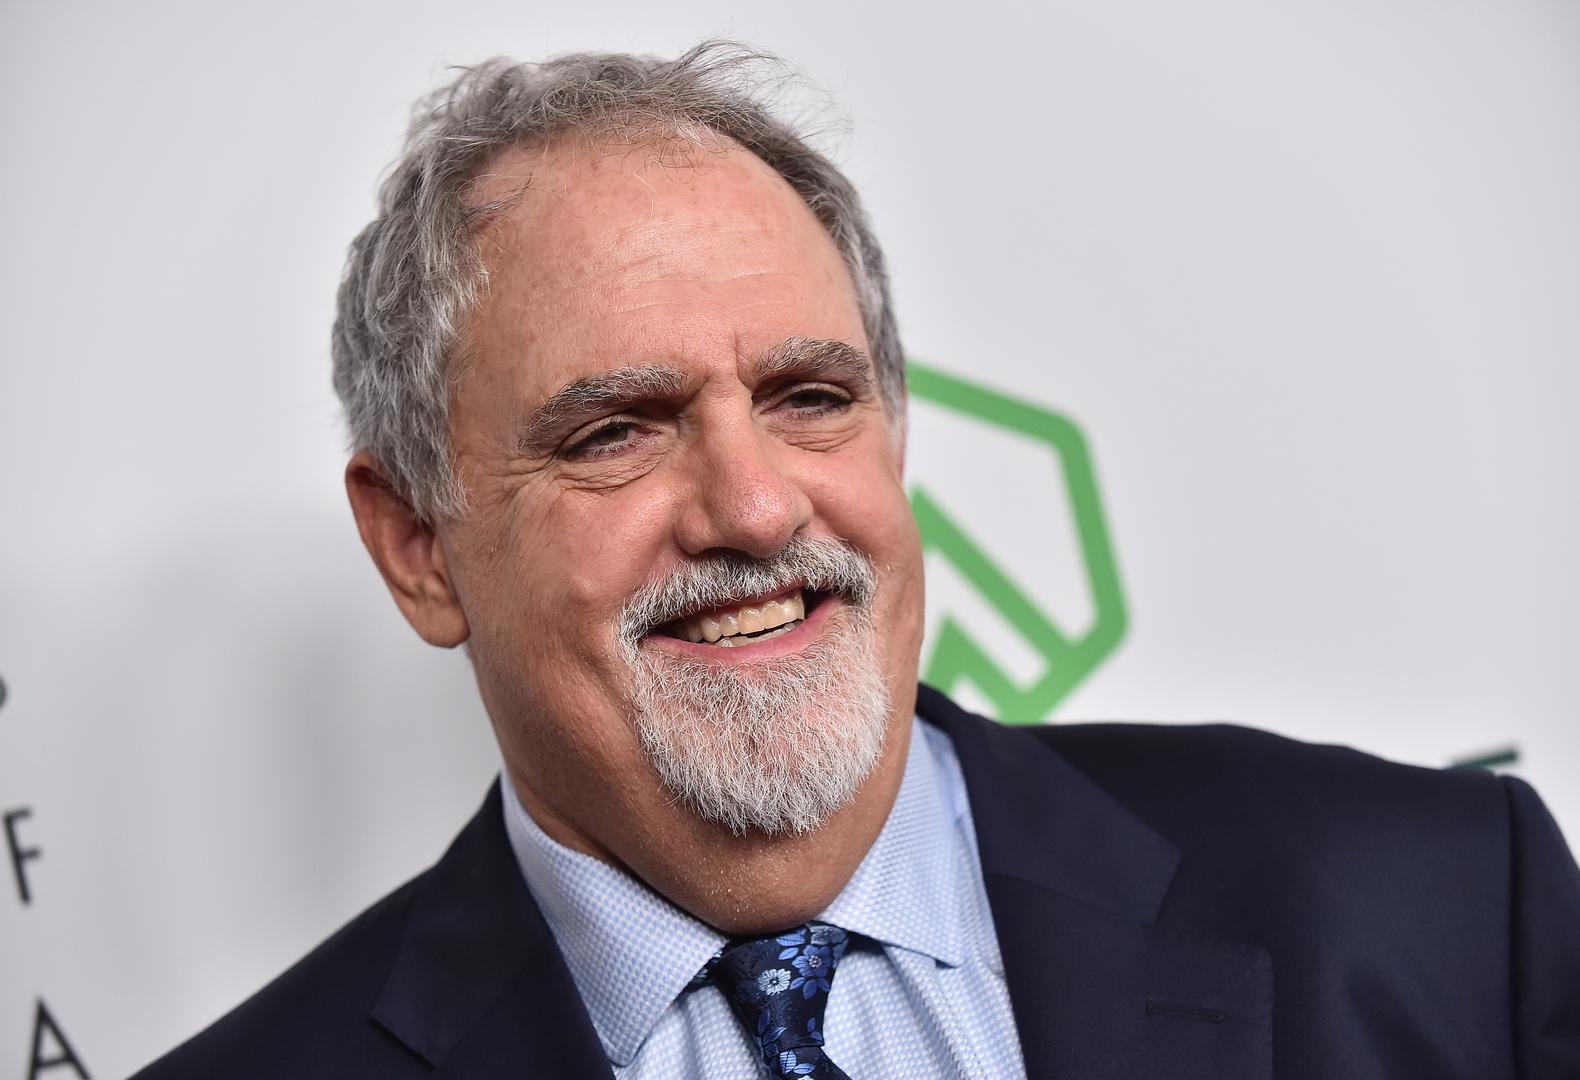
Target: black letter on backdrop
67,1056
20,854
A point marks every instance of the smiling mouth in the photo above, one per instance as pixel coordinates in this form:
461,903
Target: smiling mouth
755,620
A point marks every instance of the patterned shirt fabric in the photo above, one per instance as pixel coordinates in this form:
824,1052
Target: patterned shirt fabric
921,989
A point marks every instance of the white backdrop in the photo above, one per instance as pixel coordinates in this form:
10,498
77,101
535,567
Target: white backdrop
1305,274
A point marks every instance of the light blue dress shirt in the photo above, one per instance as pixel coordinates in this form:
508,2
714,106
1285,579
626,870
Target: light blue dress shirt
924,997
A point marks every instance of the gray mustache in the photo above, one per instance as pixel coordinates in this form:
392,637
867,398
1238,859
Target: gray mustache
823,564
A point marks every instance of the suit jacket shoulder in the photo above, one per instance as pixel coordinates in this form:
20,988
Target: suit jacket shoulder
1413,921
1313,823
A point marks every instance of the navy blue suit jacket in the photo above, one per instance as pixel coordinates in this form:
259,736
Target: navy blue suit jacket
1172,903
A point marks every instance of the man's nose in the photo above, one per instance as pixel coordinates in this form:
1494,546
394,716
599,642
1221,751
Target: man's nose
742,498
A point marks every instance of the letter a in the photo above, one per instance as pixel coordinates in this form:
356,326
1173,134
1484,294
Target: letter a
43,1021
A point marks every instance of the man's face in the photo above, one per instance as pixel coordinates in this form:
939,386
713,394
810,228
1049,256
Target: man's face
666,399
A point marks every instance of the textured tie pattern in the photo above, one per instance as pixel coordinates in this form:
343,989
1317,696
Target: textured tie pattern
778,987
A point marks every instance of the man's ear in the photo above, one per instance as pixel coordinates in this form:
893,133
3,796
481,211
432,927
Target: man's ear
407,552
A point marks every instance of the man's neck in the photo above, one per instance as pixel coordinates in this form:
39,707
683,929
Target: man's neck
741,884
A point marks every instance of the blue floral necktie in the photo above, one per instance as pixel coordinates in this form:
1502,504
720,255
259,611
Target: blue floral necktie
778,988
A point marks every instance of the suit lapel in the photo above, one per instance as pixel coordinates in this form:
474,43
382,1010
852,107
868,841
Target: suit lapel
478,988
1076,883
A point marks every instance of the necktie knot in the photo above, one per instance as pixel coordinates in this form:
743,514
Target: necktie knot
778,988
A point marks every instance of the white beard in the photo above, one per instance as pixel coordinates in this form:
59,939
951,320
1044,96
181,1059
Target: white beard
778,745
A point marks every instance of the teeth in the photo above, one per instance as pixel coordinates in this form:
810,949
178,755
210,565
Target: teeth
750,620
785,629
732,642
773,615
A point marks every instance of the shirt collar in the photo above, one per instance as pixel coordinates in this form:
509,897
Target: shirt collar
631,952
904,893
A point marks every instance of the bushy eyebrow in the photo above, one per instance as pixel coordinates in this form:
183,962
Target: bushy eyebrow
815,357
607,391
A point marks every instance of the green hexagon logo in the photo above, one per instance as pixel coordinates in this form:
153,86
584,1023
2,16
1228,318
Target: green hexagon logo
1031,657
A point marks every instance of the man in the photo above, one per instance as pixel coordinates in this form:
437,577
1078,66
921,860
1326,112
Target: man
628,403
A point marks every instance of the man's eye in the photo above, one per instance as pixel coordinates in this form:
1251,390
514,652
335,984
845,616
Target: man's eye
608,439
815,399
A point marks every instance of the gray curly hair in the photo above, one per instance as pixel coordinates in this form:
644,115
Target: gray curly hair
415,271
